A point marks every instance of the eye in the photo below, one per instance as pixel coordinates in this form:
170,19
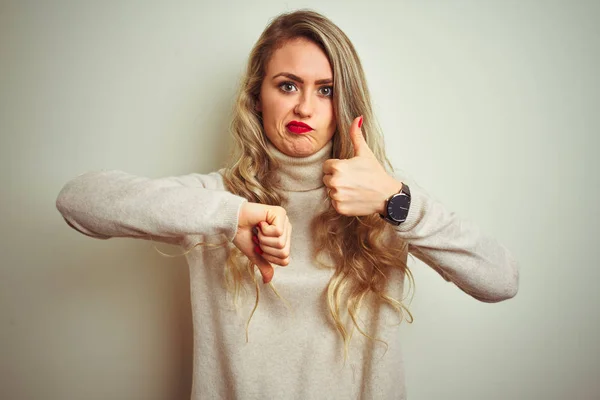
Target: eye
326,91
287,87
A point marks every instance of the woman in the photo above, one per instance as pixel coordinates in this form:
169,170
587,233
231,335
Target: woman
309,156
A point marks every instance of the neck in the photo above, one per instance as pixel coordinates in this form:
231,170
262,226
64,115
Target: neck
301,174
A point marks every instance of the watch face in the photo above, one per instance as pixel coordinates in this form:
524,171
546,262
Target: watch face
398,206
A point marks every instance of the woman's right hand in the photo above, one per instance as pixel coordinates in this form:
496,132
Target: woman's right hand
269,242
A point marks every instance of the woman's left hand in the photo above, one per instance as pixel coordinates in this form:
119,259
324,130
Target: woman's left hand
359,185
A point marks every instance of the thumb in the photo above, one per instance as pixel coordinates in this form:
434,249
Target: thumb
265,268
243,241
361,149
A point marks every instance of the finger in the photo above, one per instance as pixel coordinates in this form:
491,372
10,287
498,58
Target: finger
276,250
361,149
265,269
276,246
330,166
282,262
327,180
272,244
279,255
331,193
271,230
334,204
274,221
289,240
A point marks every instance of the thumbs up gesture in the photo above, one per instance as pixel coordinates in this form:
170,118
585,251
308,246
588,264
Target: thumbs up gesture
360,185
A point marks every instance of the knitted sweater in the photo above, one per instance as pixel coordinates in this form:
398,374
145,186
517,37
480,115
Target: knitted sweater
294,351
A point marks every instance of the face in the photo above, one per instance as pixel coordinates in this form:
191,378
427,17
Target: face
296,99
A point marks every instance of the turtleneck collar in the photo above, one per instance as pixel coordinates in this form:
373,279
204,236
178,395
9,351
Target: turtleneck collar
301,174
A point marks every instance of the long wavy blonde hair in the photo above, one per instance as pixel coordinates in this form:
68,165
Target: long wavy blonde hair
356,245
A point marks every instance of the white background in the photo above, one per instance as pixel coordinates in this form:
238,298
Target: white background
492,106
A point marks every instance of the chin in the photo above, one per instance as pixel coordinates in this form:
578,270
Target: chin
304,150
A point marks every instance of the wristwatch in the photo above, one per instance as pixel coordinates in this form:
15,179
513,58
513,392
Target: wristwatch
397,206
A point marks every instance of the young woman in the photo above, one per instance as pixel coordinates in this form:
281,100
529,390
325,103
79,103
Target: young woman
308,155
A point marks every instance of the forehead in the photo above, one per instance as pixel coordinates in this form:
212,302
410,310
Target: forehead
302,58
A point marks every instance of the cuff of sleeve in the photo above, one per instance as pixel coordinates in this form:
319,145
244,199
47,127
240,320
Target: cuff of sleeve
416,210
230,212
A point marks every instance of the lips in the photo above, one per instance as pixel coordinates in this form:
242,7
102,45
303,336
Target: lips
298,127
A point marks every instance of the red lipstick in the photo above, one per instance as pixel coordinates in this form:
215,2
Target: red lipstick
298,127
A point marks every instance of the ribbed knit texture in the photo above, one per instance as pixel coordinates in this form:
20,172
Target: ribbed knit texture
294,351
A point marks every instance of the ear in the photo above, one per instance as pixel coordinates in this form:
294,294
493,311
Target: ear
258,105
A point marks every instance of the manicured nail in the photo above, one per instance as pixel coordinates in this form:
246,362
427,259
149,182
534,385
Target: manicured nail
255,239
360,122
258,250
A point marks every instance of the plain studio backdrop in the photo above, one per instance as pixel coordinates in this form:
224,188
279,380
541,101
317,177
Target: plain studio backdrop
491,106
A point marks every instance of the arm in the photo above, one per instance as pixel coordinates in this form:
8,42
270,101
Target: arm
105,204
457,249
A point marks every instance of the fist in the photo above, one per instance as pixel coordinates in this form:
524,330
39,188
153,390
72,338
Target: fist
360,185
263,235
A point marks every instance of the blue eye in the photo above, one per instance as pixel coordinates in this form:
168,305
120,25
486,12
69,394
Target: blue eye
326,91
287,87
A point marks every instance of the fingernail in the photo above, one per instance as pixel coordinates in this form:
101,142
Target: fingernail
258,250
360,122
255,239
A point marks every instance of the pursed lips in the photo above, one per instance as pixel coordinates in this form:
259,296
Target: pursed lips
298,127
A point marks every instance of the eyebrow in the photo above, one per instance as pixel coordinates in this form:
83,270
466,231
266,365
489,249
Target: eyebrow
298,79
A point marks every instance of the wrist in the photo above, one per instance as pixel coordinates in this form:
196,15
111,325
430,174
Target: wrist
391,189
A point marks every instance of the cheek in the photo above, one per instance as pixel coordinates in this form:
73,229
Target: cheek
331,116
274,106
332,130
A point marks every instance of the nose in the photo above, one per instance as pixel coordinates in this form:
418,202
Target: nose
305,106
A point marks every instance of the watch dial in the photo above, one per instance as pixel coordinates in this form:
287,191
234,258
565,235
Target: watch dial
398,208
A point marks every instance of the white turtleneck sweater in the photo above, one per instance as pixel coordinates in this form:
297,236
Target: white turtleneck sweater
295,352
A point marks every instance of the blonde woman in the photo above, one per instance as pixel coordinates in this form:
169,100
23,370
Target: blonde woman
310,204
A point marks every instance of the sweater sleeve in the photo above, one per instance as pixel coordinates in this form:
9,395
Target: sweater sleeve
457,249
106,204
